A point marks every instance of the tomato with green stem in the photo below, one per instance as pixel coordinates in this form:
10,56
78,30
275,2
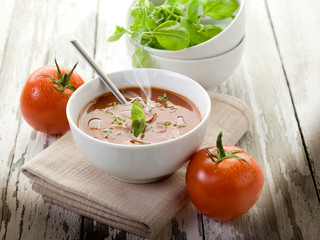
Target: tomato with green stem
223,182
45,95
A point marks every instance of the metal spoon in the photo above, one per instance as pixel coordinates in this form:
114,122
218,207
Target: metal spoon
105,79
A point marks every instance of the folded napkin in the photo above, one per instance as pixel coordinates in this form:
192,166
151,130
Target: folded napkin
63,177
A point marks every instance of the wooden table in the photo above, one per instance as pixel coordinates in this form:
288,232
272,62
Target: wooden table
278,78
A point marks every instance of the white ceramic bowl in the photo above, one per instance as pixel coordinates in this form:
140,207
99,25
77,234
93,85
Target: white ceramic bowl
208,72
145,163
233,32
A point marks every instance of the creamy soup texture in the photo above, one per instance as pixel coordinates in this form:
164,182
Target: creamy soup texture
167,116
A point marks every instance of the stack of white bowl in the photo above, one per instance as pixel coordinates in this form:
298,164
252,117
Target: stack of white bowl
208,63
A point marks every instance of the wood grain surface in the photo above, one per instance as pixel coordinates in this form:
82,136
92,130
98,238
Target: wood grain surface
278,78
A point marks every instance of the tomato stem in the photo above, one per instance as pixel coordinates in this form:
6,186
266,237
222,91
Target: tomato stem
222,154
219,145
63,81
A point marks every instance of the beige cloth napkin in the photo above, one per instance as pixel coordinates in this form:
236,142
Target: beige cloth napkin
63,177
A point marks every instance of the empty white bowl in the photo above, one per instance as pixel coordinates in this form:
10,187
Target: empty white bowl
233,32
139,163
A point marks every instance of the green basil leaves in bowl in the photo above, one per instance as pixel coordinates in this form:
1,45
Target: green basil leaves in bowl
182,29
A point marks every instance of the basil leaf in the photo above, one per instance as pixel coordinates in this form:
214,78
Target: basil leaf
137,127
150,24
158,15
184,2
141,59
138,119
193,11
136,37
137,112
117,34
220,9
138,12
138,58
195,37
209,31
178,10
155,44
172,35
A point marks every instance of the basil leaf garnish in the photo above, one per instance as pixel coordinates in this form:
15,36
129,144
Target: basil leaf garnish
138,119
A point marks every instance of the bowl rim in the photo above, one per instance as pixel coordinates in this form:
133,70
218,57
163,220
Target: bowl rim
148,146
163,51
242,41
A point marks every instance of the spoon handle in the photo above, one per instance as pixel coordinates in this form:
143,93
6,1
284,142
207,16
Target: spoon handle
84,53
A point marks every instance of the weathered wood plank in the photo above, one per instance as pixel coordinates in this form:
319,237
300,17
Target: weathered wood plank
39,32
298,36
288,207
6,11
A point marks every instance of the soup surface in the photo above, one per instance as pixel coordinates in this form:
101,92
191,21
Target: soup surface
167,116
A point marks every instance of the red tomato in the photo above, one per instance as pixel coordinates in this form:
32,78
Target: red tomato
223,182
45,95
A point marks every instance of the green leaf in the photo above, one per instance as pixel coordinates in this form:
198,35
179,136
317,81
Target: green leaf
136,37
172,35
195,37
184,2
193,11
158,15
137,127
141,59
138,58
209,31
153,44
199,33
178,10
138,119
137,112
150,24
139,12
117,34
220,9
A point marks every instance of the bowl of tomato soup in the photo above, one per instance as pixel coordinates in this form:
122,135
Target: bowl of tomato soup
147,139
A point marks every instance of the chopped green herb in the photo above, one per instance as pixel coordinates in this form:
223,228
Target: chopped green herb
114,105
110,113
149,128
138,119
166,123
118,120
118,134
164,98
145,143
107,131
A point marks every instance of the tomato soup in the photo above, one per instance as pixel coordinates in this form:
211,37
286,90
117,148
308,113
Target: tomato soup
167,115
